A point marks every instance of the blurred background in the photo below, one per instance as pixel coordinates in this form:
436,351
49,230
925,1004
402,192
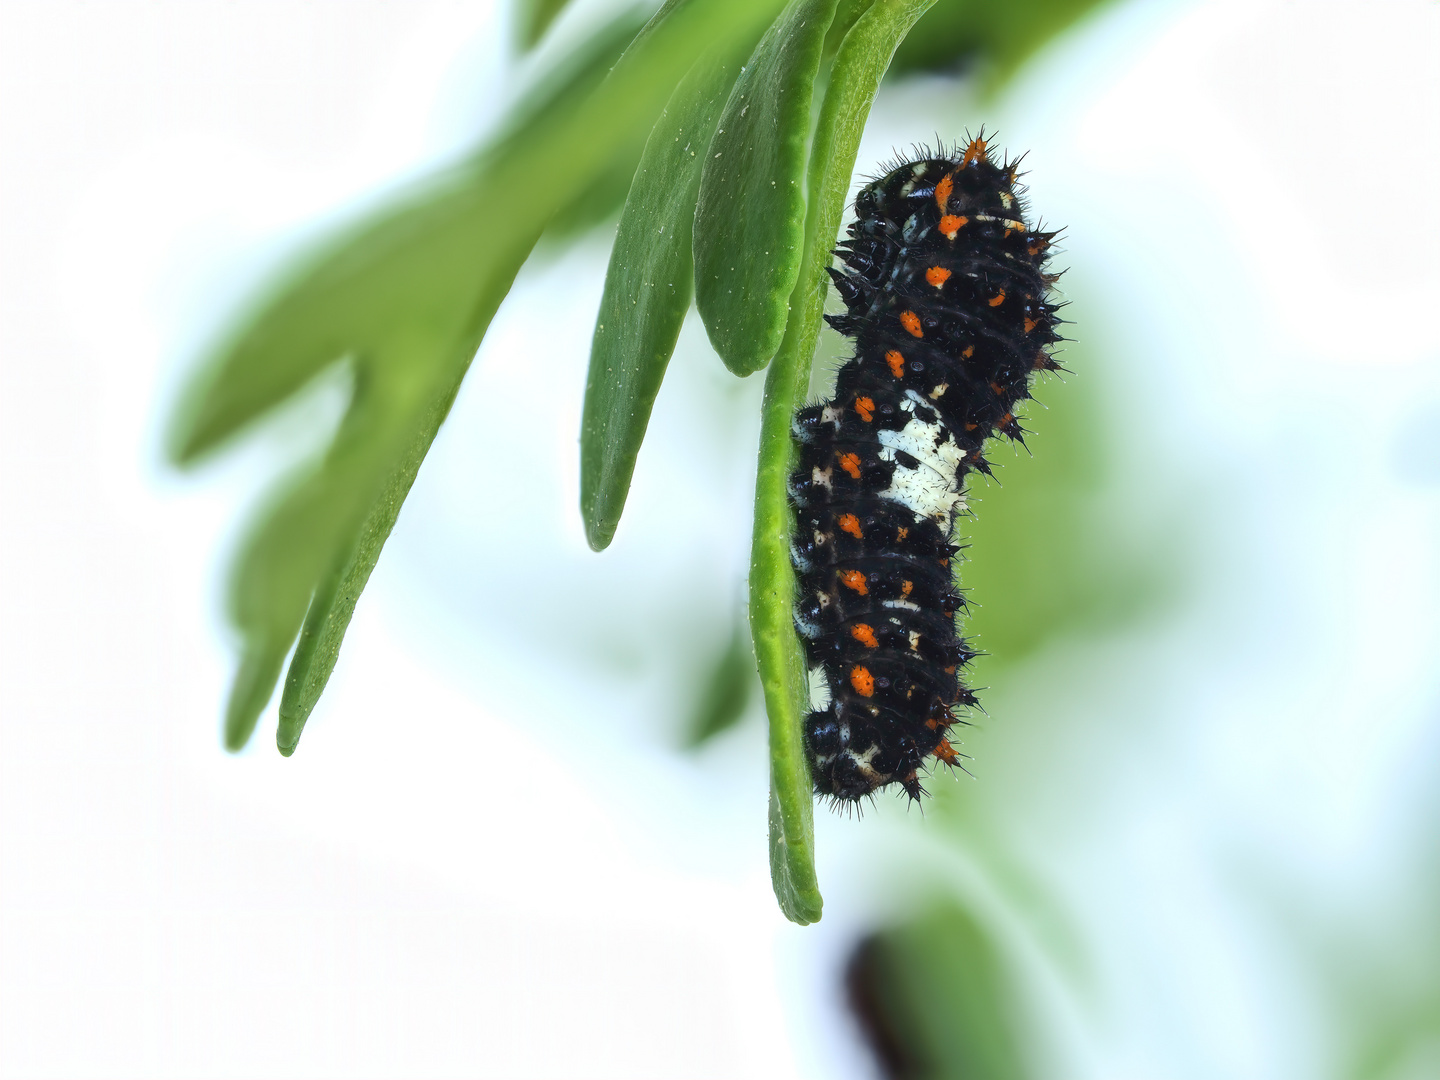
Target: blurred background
1199,834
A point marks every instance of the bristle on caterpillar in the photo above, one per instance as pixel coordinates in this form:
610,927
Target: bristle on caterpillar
947,300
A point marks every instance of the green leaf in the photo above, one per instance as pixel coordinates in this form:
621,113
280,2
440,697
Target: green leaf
750,221
406,296
334,601
648,287
859,66
533,18
999,37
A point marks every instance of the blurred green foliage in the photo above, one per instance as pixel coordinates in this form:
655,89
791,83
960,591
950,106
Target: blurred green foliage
1046,556
533,18
727,691
996,38
936,1000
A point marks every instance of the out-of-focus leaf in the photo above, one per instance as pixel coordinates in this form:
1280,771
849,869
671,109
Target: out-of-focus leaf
407,296
335,597
1000,36
1049,556
648,287
859,66
603,196
727,691
750,221
533,18
934,1000
315,310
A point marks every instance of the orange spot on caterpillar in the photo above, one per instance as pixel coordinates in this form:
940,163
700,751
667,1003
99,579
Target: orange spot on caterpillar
951,224
905,587
997,299
862,680
945,752
945,563
943,190
968,351
937,276
896,362
999,390
911,322
974,152
971,427
949,670
865,635
851,524
1004,420
933,724
854,580
1030,324
901,533
851,464
866,408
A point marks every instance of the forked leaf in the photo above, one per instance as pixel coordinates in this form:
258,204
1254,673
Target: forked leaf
407,297
648,287
750,221
860,64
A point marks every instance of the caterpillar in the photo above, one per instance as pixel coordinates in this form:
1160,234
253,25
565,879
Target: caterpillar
947,301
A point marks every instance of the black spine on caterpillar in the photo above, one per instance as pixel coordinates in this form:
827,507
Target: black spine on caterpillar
947,302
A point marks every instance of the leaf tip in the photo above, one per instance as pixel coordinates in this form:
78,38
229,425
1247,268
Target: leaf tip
598,534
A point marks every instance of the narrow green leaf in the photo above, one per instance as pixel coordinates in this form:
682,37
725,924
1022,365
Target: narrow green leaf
648,287
296,546
750,221
859,66
408,297
334,601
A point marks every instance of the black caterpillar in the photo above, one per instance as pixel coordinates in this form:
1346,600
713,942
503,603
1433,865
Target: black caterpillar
946,292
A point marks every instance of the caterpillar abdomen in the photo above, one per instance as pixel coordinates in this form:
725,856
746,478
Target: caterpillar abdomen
947,302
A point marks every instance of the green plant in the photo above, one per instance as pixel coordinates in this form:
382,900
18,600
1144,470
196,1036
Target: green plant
705,109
